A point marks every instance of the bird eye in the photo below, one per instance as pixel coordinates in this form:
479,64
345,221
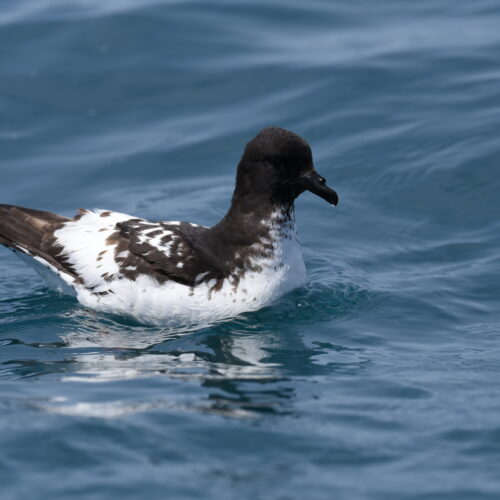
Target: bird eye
276,161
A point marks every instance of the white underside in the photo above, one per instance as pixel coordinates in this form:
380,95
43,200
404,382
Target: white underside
170,303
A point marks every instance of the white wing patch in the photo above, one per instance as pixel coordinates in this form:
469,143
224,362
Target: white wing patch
89,248
85,245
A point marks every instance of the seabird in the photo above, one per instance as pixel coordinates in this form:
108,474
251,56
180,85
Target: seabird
169,273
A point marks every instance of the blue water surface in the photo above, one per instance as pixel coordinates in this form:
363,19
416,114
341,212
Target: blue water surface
380,379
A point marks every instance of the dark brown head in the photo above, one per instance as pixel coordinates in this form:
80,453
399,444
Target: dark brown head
277,166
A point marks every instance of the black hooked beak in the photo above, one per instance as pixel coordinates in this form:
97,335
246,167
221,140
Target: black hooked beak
313,182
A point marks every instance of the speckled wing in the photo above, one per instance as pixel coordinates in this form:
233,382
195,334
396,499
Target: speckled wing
98,247
164,250
102,246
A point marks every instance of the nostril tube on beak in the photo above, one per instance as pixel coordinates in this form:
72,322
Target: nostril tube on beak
316,184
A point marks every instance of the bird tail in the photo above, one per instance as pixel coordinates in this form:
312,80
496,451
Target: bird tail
28,230
30,234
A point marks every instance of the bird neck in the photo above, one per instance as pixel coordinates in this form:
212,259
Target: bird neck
250,220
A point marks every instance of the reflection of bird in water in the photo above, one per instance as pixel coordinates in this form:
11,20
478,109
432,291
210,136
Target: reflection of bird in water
139,351
231,361
171,272
243,368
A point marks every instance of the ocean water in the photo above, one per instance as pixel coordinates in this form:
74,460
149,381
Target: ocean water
378,380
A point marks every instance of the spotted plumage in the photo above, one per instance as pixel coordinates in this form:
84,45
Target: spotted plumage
171,272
